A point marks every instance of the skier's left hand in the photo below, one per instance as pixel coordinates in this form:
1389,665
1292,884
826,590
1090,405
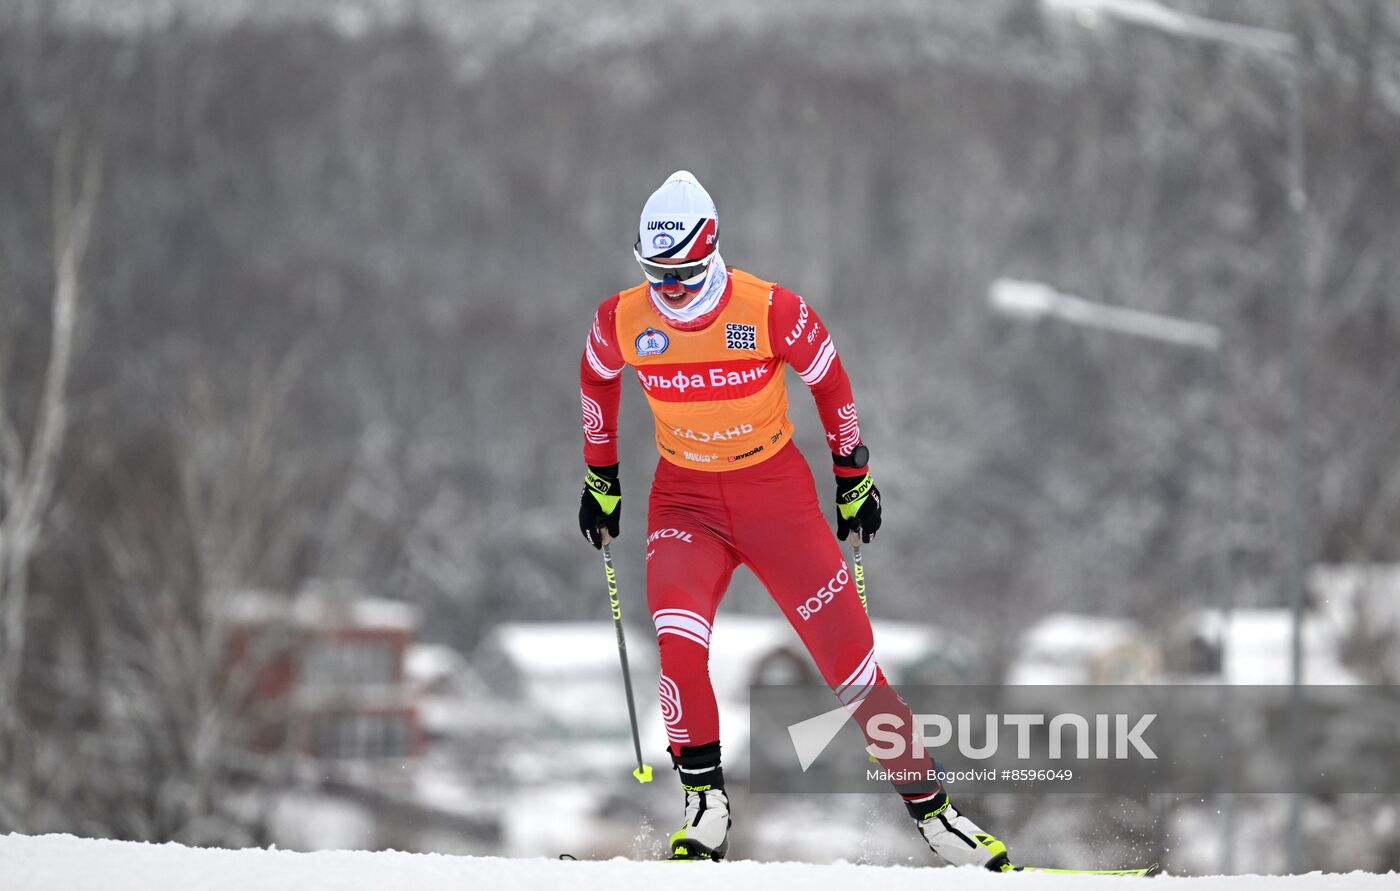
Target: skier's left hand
857,507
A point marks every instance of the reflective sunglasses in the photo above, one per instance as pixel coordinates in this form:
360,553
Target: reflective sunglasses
689,275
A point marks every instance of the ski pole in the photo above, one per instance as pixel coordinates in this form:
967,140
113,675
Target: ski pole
643,771
858,570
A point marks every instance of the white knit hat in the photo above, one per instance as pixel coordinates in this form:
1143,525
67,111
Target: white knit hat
679,220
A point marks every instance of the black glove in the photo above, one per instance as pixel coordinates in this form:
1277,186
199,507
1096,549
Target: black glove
857,507
600,505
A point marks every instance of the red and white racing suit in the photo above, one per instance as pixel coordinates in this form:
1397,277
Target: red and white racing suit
732,488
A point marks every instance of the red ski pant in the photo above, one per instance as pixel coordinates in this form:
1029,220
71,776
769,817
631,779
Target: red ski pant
700,527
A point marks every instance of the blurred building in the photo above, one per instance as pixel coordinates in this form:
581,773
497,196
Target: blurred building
1070,648
383,740
1362,601
322,673
1350,634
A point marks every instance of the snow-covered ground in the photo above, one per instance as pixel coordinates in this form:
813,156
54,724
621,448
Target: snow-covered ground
65,863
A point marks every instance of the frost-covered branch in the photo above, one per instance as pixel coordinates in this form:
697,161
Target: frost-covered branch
28,479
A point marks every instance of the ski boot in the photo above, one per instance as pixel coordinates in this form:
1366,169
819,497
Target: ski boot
705,834
955,838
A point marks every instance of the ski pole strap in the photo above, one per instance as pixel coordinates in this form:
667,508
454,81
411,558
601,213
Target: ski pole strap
604,490
850,502
859,573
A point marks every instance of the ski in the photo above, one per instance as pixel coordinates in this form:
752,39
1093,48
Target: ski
658,860
1139,871
1142,871
661,860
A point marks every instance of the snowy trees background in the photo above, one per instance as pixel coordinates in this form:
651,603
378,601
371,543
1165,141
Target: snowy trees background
294,294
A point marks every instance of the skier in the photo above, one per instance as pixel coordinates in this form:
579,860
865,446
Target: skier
709,344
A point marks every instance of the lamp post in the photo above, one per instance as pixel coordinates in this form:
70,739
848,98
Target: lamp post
1287,49
1032,301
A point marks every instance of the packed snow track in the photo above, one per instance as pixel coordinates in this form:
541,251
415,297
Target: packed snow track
40,863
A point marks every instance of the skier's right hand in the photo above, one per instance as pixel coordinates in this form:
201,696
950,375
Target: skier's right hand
600,504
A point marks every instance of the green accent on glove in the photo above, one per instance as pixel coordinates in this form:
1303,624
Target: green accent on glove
850,503
599,487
